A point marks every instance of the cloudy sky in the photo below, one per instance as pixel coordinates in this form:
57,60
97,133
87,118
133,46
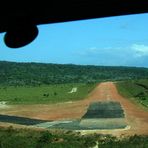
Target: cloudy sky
113,41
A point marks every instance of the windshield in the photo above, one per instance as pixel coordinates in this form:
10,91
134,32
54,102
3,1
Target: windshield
112,41
75,79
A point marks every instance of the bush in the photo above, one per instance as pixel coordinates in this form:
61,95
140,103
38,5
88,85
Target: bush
46,137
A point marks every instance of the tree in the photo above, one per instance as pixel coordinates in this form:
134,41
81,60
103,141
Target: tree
55,93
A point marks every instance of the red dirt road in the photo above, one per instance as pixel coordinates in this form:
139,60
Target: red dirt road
135,116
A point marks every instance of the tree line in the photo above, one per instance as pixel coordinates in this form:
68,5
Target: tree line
19,74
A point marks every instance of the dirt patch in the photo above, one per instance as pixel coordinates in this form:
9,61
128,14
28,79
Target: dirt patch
136,118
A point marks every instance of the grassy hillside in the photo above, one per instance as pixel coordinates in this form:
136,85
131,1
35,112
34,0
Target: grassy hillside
11,138
136,90
29,83
35,74
23,138
45,93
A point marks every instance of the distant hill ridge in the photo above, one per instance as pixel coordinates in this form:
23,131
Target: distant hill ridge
13,73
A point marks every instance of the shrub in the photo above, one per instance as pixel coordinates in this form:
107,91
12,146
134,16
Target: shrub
45,137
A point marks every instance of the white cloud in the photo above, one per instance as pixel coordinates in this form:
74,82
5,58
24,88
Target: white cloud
88,51
140,49
104,51
95,50
92,50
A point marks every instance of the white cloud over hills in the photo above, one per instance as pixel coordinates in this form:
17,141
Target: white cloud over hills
140,50
131,55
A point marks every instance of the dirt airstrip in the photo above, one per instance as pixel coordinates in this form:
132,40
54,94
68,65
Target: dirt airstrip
136,117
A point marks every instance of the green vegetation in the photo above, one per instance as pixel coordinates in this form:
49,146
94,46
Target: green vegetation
12,138
136,90
25,138
130,142
44,93
36,74
29,83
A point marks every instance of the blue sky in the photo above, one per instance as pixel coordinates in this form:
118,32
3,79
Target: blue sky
113,41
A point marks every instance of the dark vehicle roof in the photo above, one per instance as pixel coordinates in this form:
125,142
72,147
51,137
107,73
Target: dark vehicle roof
43,12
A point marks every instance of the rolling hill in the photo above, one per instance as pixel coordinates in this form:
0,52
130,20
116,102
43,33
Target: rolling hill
19,74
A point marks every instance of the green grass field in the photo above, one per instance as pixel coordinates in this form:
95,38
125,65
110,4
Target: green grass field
44,94
136,90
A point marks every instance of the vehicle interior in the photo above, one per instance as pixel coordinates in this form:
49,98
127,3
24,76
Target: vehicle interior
74,74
